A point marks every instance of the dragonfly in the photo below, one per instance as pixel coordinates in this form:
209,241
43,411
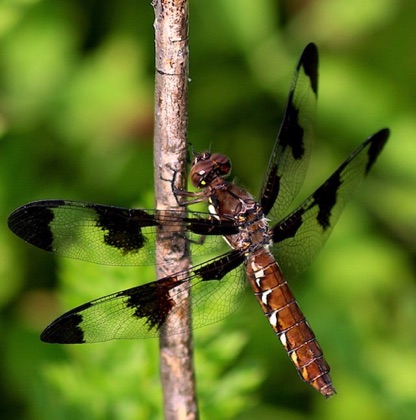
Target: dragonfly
266,243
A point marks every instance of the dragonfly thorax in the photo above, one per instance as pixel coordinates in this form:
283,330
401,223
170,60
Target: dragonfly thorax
229,200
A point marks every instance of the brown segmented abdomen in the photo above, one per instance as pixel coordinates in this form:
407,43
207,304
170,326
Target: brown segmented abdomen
288,321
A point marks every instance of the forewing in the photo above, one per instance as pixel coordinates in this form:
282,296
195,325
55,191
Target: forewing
140,312
302,234
290,156
108,234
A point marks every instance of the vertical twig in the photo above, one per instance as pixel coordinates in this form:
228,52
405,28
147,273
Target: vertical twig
171,34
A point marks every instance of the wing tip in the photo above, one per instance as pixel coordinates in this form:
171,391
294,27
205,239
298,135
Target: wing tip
66,329
377,142
309,60
31,222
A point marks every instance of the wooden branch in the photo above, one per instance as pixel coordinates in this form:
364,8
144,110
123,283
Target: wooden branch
171,34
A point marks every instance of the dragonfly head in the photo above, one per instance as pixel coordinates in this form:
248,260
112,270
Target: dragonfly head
207,166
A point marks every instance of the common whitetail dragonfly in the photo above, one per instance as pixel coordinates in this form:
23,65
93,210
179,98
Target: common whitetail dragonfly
266,246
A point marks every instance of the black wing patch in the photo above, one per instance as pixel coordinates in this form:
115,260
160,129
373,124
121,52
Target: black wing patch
122,229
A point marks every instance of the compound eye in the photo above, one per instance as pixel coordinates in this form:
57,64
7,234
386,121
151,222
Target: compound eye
221,164
199,173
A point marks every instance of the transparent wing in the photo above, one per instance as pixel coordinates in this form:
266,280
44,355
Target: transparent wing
110,235
300,236
215,288
290,156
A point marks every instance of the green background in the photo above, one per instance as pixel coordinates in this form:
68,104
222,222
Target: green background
76,117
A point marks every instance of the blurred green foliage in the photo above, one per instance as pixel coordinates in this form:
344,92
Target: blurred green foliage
76,116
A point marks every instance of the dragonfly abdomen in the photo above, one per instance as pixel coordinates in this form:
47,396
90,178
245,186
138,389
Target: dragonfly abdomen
288,321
